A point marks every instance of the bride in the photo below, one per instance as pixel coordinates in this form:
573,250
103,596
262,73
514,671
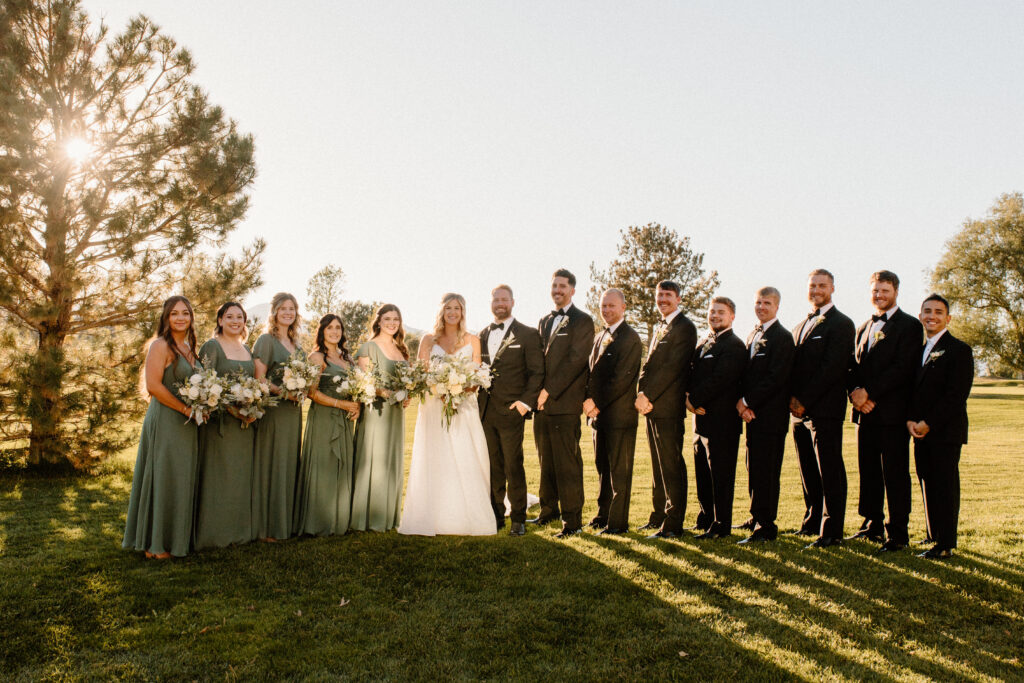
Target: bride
449,477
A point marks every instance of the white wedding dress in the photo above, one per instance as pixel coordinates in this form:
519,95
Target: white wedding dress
450,474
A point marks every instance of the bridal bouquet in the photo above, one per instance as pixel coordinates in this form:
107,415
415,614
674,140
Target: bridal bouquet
248,396
201,393
298,377
407,381
358,385
451,378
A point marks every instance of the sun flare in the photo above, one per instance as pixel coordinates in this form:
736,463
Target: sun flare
77,149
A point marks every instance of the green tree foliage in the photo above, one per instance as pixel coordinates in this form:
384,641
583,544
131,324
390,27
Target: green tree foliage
648,255
324,295
115,173
981,271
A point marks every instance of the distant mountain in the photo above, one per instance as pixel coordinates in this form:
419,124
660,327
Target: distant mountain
262,311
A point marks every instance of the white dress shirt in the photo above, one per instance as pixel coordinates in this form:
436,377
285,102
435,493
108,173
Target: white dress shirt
929,345
494,340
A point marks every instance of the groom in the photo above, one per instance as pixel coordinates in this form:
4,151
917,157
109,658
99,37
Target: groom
514,353
566,335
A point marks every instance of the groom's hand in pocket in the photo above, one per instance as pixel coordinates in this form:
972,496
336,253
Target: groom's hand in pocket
521,407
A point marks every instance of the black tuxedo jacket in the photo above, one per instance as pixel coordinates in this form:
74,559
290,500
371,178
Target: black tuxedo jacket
664,375
766,378
886,371
612,382
518,369
715,384
566,361
820,365
941,388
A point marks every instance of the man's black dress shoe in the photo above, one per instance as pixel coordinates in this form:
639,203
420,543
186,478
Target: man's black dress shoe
598,523
566,533
608,531
649,525
891,546
806,532
713,534
868,535
937,553
924,541
664,534
541,520
747,525
518,529
825,542
756,538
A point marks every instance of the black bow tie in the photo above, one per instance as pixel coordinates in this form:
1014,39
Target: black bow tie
876,318
759,328
608,330
557,312
497,326
814,314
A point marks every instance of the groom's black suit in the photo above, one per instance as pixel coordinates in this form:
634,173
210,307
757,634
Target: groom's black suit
556,429
885,369
663,379
612,388
518,376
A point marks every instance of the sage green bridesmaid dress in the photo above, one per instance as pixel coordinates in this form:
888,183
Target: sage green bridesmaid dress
278,442
224,503
162,501
380,450
324,499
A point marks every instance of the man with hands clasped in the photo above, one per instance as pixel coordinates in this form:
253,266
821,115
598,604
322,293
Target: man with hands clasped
609,407
662,400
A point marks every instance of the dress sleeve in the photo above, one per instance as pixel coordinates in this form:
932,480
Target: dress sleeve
364,350
263,349
209,354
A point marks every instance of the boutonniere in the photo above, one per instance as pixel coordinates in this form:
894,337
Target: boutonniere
934,355
660,333
708,343
505,343
606,341
817,320
561,325
761,343
877,337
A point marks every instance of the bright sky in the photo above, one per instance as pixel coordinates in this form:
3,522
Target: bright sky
428,147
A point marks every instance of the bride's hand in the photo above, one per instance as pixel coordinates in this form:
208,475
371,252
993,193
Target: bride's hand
405,403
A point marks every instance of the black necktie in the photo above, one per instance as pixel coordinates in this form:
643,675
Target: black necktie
876,318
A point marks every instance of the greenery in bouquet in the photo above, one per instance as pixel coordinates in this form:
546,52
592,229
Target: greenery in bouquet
407,381
452,378
298,377
201,393
359,385
247,396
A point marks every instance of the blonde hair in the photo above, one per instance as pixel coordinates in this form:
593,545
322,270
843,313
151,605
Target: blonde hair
275,304
439,321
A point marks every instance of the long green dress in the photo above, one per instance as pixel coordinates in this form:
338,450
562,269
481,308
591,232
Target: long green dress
224,498
162,501
380,445
324,498
278,442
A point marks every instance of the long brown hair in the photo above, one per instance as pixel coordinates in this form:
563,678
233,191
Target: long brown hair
439,321
399,336
321,344
275,303
163,331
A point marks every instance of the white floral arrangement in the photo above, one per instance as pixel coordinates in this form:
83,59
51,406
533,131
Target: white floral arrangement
248,396
877,337
660,333
201,394
709,342
452,379
934,355
407,381
761,343
359,385
505,343
298,376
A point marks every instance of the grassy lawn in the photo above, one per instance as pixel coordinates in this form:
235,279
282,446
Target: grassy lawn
73,605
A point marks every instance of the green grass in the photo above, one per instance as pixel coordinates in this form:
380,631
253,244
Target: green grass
73,605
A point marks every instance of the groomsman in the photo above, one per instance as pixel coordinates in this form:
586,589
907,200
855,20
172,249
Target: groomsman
824,344
764,406
611,393
513,350
662,400
714,389
880,381
566,335
938,423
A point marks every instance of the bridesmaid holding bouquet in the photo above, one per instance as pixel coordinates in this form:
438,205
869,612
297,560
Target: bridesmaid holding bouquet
224,505
160,508
279,437
377,488
324,498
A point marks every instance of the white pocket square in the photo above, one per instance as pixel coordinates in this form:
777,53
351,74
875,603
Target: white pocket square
562,334
760,355
818,337
710,355
515,346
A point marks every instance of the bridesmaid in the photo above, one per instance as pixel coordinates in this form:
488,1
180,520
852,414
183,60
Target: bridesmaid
279,437
163,493
377,487
224,505
324,498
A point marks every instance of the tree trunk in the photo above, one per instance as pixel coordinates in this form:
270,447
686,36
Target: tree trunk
45,384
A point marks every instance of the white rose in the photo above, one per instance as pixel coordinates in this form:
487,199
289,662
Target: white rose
291,385
195,379
236,388
264,387
301,382
216,389
193,392
400,395
248,394
212,401
456,390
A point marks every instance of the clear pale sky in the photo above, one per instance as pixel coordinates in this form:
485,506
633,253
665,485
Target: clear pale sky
427,147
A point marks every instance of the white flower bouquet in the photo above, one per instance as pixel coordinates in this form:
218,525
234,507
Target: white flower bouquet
248,396
452,378
359,385
201,393
407,381
298,377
